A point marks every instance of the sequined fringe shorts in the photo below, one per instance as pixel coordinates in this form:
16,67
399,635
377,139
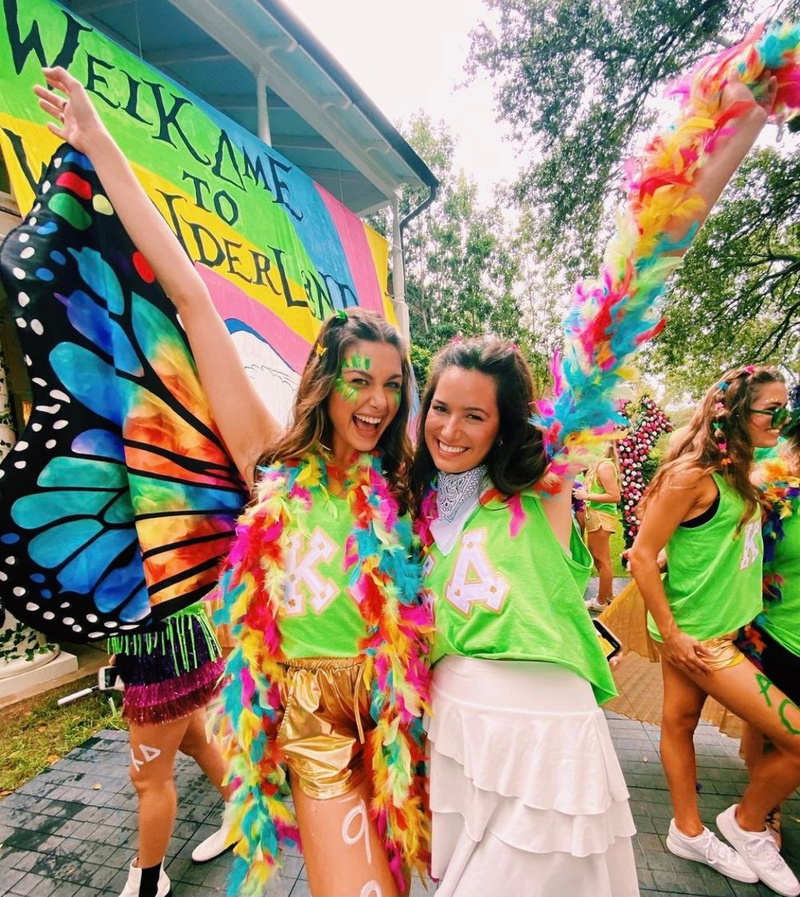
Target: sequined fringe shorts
326,712
170,673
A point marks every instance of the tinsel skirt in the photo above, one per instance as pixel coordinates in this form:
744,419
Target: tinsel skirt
526,791
169,673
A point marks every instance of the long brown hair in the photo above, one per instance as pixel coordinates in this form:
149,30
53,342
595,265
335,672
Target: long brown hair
517,460
311,426
725,406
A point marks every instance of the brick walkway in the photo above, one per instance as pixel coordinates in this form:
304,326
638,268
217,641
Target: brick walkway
70,832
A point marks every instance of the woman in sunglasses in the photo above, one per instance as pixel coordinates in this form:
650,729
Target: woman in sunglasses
773,640
704,510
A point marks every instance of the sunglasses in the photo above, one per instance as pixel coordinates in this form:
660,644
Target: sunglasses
779,417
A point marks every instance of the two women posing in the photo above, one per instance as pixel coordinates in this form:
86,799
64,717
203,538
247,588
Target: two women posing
321,590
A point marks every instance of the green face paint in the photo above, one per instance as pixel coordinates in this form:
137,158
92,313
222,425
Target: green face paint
349,391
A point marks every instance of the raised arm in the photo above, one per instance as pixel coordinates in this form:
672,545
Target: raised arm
748,117
246,424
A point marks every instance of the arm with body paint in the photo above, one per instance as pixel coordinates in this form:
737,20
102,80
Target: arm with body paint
246,424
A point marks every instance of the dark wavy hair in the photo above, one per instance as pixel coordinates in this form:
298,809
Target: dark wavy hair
518,459
726,404
311,426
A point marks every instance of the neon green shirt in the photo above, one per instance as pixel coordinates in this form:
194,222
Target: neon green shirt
595,487
713,580
318,616
782,619
499,597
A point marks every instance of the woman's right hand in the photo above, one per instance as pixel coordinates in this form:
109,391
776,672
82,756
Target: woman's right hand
686,653
80,125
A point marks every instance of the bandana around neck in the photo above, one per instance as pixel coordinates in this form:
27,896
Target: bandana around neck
385,574
456,490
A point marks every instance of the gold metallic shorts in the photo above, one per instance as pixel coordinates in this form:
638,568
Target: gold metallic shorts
596,520
724,652
326,710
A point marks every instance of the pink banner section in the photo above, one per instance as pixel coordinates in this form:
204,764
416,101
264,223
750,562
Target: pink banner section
357,251
231,302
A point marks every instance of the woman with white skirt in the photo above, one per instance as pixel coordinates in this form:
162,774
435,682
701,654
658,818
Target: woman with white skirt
526,792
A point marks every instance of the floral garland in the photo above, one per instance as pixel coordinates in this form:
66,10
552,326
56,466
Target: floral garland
612,316
387,579
633,450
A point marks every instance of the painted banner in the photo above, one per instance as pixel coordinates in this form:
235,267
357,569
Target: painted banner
278,252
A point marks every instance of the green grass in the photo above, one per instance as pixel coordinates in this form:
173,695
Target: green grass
36,732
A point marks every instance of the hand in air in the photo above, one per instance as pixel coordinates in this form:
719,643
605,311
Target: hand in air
686,653
764,98
79,124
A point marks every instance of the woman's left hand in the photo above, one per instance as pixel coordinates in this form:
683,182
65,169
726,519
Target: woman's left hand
80,125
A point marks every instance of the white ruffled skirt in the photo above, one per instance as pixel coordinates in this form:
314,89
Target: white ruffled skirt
527,795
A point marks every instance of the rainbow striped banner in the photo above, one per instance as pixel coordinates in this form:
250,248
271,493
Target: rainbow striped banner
278,252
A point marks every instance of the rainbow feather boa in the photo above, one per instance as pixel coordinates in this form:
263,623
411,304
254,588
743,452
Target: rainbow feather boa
614,315
387,577
780,496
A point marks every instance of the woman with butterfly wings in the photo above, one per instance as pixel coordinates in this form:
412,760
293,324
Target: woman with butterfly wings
327,676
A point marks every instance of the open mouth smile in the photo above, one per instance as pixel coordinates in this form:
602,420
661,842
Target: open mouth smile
366,425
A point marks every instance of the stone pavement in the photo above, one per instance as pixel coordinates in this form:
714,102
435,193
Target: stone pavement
71,831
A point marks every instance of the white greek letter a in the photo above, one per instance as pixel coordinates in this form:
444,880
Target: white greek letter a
302,567
474,581
148,754
751,551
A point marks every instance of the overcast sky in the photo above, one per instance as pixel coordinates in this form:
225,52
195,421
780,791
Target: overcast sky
409,56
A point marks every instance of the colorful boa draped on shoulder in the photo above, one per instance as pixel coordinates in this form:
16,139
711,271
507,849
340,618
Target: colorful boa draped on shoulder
386,577
780,496
612,316
780,493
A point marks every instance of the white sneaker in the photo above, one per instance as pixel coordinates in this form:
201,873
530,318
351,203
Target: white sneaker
707,848
759,851
215,844
132,885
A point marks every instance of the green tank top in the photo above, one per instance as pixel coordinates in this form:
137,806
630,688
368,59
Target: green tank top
713,580
499,597
595,487
318,615
782,619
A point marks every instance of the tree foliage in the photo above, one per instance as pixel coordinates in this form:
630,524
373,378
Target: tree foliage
463,260
737,299
575,80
